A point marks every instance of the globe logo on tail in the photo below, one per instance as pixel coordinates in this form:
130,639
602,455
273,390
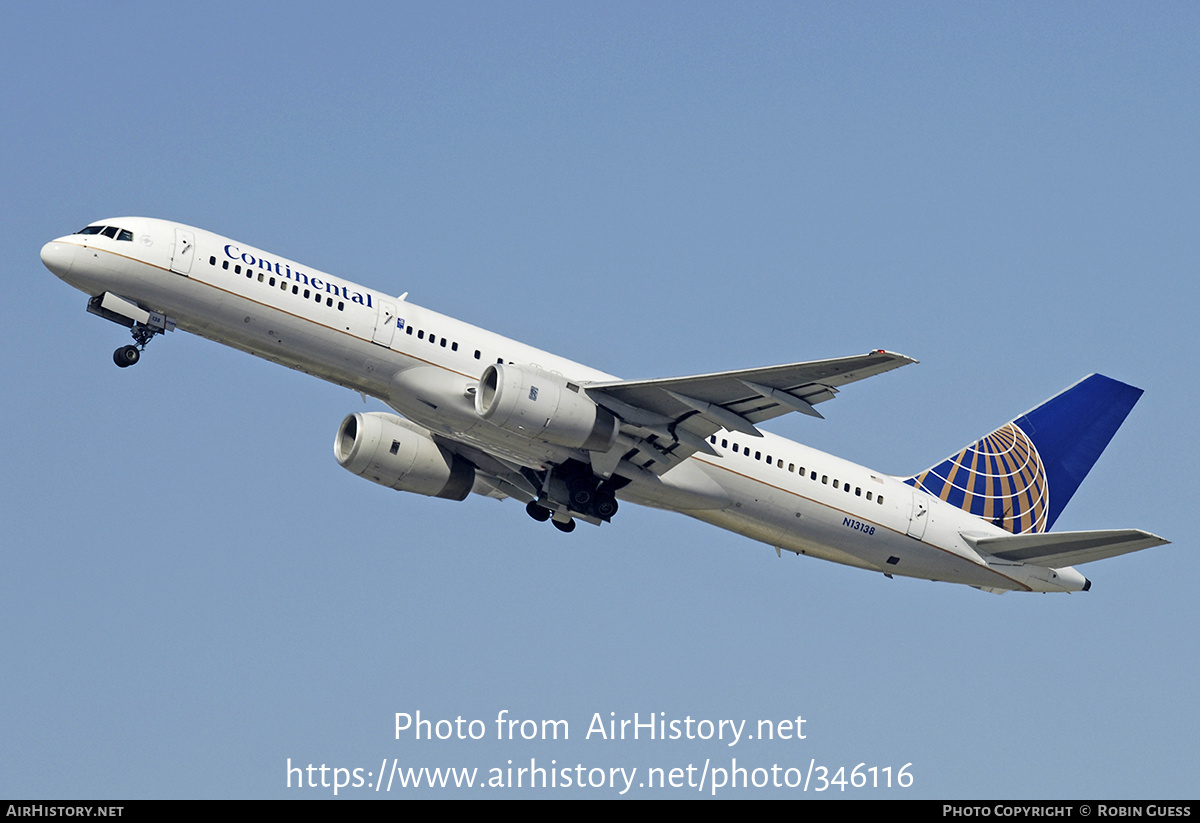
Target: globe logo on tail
999,478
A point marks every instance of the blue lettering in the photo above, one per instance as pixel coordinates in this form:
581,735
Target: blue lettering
233,252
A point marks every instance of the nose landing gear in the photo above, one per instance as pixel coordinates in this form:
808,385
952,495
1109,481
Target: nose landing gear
142,324
126,356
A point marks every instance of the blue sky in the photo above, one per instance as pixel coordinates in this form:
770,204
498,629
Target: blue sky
193,591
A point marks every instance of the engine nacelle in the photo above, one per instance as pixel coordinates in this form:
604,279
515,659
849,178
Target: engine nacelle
541,405
393,452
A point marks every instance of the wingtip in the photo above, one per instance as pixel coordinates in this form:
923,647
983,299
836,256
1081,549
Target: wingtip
896,356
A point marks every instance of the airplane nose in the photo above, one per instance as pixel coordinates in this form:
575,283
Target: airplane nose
58,257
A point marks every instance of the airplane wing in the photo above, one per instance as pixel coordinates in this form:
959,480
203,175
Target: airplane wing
666,421
1058,549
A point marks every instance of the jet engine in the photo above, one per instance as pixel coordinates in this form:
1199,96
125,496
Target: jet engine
393,452
538,404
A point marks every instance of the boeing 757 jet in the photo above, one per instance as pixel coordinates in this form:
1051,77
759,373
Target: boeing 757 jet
477,412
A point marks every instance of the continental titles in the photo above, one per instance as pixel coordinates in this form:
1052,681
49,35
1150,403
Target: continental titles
233,252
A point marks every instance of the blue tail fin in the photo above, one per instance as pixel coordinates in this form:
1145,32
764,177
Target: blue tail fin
1022,475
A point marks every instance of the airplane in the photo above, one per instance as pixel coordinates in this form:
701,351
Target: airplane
477,412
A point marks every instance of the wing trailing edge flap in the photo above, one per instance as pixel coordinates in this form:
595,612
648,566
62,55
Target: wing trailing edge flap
670,419
1058,549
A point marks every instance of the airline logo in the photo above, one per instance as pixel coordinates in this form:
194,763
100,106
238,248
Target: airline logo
285,270
1000,478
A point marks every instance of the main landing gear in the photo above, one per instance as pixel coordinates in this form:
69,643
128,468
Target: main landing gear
541,514
571,491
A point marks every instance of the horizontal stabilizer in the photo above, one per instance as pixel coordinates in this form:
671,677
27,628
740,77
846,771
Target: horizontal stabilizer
1058,549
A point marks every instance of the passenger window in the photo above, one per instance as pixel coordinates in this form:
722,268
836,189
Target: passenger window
824,478
421,334
868,495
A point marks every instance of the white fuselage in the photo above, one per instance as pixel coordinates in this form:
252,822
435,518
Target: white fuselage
426,366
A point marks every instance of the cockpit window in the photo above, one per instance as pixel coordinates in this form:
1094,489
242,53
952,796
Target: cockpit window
114,232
